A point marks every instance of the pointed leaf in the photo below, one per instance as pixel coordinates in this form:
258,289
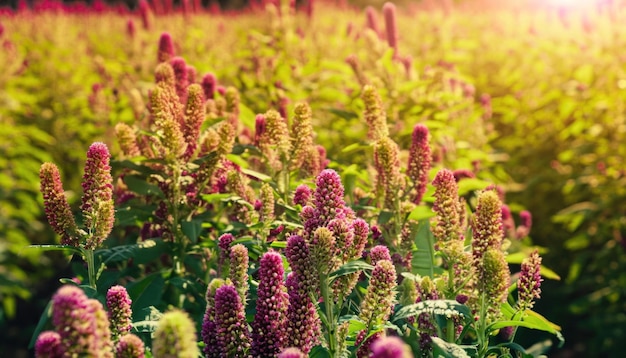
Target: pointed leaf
350,267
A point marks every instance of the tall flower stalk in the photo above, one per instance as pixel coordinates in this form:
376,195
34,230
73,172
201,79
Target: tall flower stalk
97,206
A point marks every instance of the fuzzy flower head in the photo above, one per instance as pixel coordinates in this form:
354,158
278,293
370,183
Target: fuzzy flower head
268,327
127,139
209,82
328,197
447,208
322,250
48,345
299,258
118,304
166,47
130,346
303,323
239,269
419,161
103,332
224,242
529,285
73,319
387,165
292,353
175,336
390,347
57,208
275,142
302,135
230,320
209,327
375,116
378,253
267,203
380,297
302,195
97,203
391,27
487,224
494,282
180,75
194,117
372,19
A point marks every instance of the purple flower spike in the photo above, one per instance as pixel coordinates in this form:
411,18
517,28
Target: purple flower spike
180,74
302,196
224,243
166,47
97,203
529,285
268,328
328,197
390,347
118,303
73,318
209,82
57,208
379,252
230,319
419,161
391,27
48,345
447,207
292,353
130,346
303,323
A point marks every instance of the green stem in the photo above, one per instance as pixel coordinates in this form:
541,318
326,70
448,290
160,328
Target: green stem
483,340
328,305
91,267
179,240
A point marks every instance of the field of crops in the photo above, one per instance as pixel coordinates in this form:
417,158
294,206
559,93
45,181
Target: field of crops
313,179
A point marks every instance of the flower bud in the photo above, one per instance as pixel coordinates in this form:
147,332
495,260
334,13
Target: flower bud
175,336
57,208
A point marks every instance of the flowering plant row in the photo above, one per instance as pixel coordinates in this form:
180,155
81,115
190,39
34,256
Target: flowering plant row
238,242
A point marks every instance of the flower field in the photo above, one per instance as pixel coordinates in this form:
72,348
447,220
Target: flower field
313,179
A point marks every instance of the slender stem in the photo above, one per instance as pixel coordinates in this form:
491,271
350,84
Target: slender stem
91,267
179,240
329,314
483,340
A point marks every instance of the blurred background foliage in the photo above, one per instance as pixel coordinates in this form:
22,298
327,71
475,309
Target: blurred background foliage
544,87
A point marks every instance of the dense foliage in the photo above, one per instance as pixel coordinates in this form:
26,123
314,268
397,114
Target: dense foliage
531,102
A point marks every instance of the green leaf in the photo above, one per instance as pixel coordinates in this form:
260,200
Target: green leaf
53,247
41,325
444,349
384,217
127,164
141,253
146,292
350,267
421,213
468,185
139,186
192,229
278,244
423,261
530,319
256,175
319,352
